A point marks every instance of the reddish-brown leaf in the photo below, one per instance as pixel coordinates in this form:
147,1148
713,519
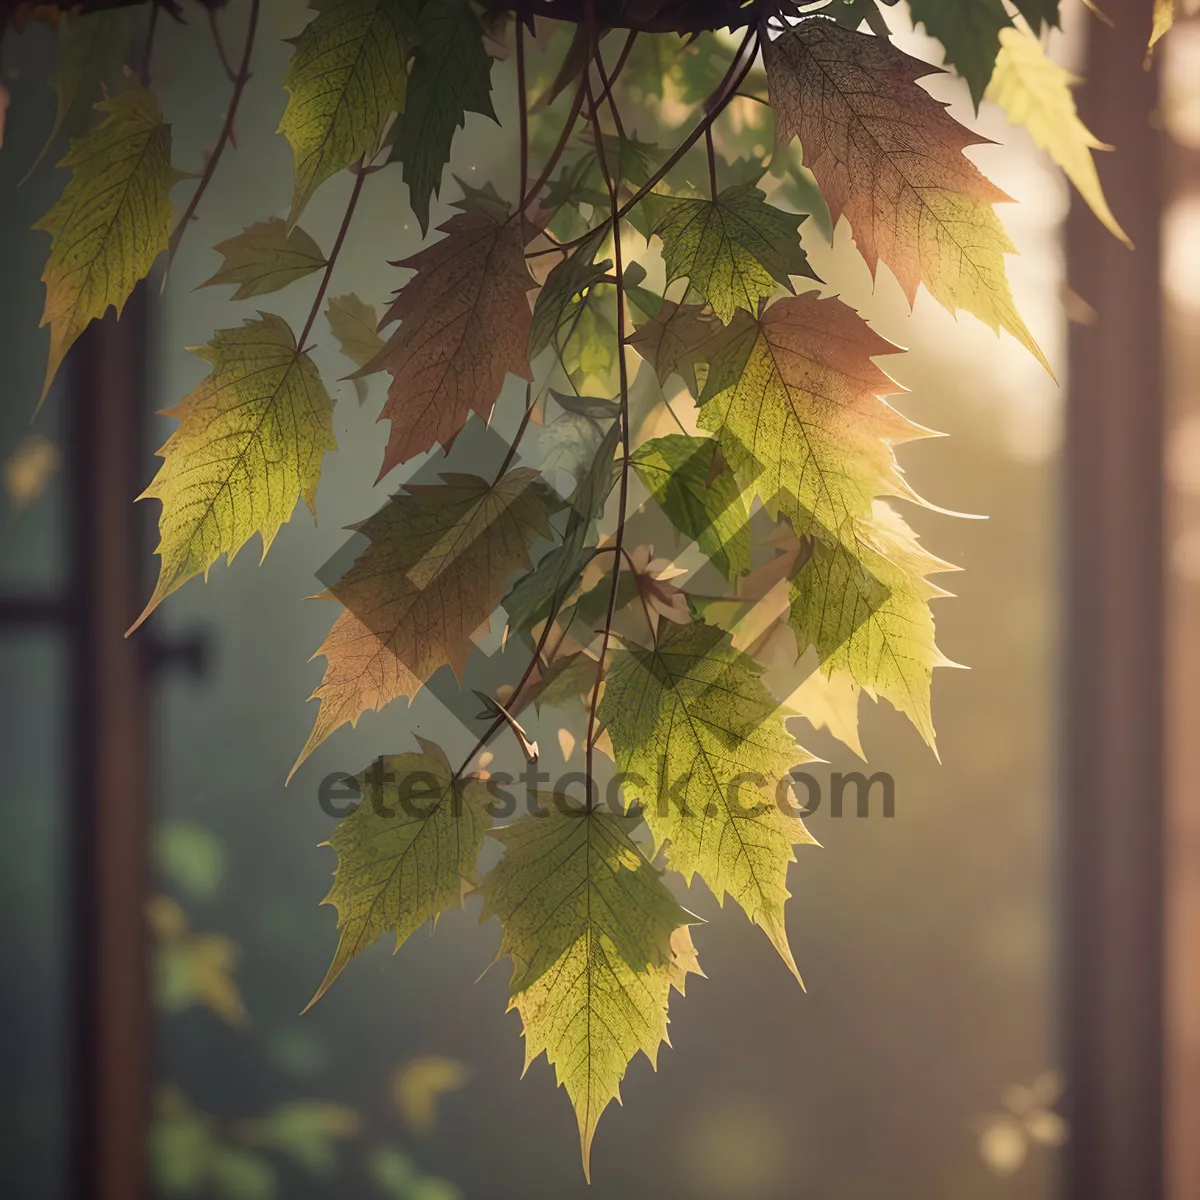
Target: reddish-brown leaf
887,155
464,324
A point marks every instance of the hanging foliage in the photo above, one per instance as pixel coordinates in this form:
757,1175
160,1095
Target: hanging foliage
638,593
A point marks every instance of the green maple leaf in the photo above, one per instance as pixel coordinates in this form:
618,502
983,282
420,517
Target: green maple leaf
89,57
588,924
701,744
451,76
355,323
701,499
566,286
249,446
265,257
797,404
735,250
439,559
405,852
970,32
346,81
112,220
864,607
1039,13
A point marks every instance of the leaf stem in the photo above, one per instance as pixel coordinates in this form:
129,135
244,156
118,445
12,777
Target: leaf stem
226,133
147,48
512,449
618,540
557,152
360,177
219,43
712,163
522,108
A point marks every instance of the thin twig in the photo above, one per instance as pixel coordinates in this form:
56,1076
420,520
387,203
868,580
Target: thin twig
359,179
712,163
618,540
557,152
522,108
226,133
720,97
512,449
151,28
219,42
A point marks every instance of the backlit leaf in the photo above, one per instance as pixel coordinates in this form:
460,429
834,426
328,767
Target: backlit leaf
970,32
464,323
865,608
354,324
797,405
588,924
249,446
1036,92
889,157
561,293
112,220
702,745
265,257
405,852
345,81
451,76
439,560
735,250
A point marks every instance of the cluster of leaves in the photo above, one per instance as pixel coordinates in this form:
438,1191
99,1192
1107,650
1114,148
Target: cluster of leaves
609,262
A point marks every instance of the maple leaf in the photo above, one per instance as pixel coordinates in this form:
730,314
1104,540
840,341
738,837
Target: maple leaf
89,57
676,340
112,220
559,296
1039,13
354,323
970,32
405,852
439,560
735,250
451,76
345,81
1036,92
700,742
265,257
865,609
707,507
464,324
249,445
889,156
797,405
589,926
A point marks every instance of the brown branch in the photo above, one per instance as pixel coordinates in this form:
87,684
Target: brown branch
360,177
226,133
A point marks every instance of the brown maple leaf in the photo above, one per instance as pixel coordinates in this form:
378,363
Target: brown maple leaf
887,155
439,560
464,324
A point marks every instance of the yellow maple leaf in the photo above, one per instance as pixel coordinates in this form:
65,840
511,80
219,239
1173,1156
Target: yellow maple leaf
589,926
112,220
1036,92
249,445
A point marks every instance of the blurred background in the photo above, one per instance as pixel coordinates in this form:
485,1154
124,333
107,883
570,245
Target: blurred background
1001,977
